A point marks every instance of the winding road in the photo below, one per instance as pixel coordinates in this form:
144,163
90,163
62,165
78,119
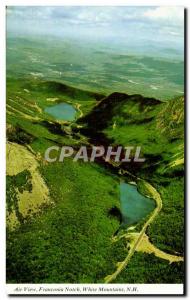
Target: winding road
121,265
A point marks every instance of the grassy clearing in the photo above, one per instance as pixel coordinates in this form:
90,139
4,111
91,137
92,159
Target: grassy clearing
33,96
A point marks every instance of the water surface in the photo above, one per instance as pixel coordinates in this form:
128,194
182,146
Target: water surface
134,206
62,111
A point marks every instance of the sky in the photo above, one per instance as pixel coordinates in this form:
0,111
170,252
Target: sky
136,26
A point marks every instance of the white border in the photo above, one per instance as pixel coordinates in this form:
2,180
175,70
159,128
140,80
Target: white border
2,147
95,289
98,2
3,3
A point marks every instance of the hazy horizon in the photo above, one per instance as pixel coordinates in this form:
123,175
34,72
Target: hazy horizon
101,49
147,30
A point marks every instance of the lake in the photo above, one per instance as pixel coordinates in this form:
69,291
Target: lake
62,111
134,206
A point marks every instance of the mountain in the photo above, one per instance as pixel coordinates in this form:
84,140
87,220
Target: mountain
134,120
68,213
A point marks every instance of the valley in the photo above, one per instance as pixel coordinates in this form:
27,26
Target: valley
76,232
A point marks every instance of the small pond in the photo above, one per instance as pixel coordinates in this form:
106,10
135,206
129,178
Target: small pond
134,206
62,111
